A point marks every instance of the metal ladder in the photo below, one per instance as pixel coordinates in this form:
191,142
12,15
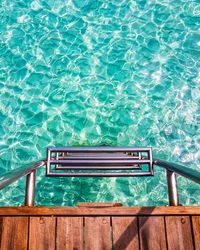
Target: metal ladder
99,162
101,159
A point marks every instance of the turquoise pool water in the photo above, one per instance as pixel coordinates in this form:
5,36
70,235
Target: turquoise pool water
111,72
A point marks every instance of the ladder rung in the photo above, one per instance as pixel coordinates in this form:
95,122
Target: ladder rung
100,162
122,167
96,158
97,149
99,174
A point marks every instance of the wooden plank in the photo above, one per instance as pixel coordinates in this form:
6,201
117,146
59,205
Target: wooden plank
97,234
42,233
107,211
69,233
179,234
196,231
1,228
152,233
98,204
125,233
14,233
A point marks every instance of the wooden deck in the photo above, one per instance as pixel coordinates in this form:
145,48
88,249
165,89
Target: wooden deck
101,227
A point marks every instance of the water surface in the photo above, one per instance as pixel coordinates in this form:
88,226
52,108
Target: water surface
93,73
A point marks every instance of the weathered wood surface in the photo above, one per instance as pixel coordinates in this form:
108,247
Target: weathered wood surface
14,233
97,233
152,233
179,232
69,233
98,205
125,233
101,211
42,233
130,228
196,231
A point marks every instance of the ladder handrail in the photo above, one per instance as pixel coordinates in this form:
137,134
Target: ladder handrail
15,174
186,172
171,170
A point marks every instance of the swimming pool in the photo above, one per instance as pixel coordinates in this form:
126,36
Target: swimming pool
120,73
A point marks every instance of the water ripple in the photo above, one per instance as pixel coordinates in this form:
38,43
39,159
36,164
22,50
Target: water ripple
108,72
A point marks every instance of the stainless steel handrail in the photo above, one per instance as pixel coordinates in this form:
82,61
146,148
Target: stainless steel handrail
171,170
16,174
189,173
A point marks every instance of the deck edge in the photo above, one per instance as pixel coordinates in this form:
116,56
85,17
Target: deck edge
104,211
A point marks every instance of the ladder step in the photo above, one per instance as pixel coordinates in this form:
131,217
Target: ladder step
100,162
120,167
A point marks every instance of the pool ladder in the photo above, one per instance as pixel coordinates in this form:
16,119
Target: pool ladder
99,162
